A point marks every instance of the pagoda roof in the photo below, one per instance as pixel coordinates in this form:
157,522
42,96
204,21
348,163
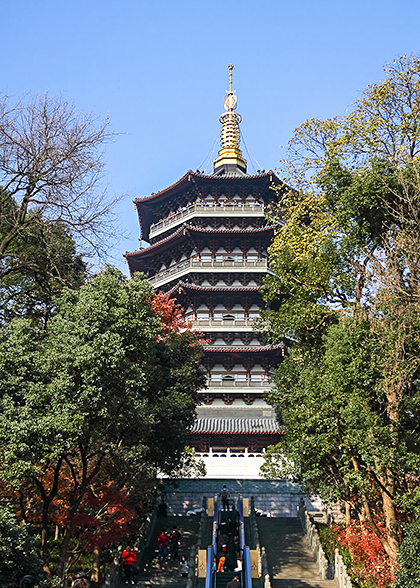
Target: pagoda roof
267,425
137,259
242,348
214,289
148,207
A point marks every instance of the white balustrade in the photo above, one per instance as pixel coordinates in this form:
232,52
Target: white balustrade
206,210
182,266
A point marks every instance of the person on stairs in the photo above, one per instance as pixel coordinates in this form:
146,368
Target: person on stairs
234,518
163,542
128,557
183,567
225,497
174,542
235,583
221,566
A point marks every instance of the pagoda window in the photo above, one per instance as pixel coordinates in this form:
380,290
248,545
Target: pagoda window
252,257
203,316
228,378
228,317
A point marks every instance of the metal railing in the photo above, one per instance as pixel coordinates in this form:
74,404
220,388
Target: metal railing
212,549
214,322
204,209
238,384
209,265
246,554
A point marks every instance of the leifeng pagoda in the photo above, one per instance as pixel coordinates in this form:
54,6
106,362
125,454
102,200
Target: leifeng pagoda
208,237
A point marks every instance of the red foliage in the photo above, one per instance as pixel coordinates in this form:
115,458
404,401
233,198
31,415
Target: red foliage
105,517
371,566
171,316
169,312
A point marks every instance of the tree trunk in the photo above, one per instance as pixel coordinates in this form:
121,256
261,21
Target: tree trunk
388,507
95,564
347,515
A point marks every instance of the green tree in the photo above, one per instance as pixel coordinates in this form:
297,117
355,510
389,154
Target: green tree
346,265
43,261
408,576
106,387
17,551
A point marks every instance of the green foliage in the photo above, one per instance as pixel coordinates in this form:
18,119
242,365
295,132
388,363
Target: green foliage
17,551
36,265
346,269
104,388
408,575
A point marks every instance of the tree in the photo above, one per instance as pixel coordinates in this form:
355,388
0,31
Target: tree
346,263
51,166
107,387
408,576
44,262
17,551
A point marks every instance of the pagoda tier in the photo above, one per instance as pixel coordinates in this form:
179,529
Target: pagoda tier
215,275
208,237
171,206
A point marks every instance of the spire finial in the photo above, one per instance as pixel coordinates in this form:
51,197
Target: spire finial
230,156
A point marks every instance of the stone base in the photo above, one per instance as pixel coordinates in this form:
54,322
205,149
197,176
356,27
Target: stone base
276,498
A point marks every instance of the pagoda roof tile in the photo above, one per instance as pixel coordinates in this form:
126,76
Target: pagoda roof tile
214,288
267,425
186,177
193,229
146,206
242,348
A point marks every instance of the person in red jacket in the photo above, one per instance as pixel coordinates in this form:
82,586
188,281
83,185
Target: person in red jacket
163,542
129,557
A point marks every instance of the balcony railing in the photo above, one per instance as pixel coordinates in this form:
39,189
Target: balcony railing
222,322
206,210
238,384
187,264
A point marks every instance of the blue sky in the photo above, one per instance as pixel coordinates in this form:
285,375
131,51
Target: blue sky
159,70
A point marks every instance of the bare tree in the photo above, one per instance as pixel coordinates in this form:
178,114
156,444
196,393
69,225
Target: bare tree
51,164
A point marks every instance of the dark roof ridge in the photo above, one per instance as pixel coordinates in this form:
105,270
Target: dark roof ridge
205,177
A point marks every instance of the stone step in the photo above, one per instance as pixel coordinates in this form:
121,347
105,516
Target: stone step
167,573
303,583
288,556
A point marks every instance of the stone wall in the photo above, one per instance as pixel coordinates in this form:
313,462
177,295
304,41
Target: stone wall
278,498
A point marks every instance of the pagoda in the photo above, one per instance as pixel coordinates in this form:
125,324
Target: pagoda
208,237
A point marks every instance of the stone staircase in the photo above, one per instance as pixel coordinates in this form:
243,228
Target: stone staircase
290,561
167,573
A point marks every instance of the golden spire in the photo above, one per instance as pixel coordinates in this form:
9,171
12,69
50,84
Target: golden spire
230,158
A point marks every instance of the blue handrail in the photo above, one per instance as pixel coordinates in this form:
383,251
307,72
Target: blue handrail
246,552
212,549
247,568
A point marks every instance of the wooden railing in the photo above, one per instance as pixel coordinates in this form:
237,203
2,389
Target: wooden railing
238,383
214,322
198,264
204,209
